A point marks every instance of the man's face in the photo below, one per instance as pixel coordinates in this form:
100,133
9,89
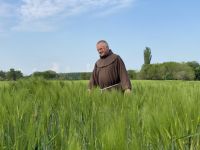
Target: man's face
102,49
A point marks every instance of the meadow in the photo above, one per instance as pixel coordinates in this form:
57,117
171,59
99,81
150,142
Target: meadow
49,115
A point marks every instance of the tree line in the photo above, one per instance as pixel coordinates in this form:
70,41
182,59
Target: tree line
159,71
14,75
168,70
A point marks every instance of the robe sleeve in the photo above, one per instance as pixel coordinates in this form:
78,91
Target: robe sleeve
123,74
93,79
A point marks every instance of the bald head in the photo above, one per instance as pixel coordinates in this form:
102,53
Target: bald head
103,42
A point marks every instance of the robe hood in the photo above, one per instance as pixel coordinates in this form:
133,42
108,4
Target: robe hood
106,60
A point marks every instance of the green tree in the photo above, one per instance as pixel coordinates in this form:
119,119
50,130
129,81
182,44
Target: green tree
85,75
167,71
11,74
18,74
197,73
14,75
2,75
132,74
147,56
195,66
49,74
144,72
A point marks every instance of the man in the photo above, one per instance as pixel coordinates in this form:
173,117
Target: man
109,71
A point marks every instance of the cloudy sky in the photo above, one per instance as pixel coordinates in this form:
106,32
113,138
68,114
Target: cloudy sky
61,35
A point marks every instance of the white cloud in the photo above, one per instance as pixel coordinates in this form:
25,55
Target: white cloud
40,15
40,9
116,6
36,9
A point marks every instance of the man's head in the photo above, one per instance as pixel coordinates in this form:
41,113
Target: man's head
102,48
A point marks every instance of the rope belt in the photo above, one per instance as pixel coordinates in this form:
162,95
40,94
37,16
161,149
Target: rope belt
109,87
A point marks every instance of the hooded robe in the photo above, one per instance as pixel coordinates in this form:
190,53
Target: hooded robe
108,71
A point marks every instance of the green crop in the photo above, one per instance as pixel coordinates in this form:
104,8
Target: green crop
49,115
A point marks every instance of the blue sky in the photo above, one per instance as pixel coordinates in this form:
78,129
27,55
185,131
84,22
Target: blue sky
61,35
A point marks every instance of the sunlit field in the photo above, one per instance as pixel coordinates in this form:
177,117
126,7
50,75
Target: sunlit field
40,114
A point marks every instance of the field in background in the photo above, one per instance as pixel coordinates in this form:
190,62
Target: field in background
39,114
4,83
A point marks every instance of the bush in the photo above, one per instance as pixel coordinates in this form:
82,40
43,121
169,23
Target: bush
167,71
132,74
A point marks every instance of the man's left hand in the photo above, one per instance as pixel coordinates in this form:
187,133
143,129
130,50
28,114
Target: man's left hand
127,91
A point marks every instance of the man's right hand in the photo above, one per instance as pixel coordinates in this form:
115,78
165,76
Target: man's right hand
89,91
127,91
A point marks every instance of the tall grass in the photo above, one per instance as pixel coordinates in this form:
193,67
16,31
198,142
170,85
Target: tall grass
39,114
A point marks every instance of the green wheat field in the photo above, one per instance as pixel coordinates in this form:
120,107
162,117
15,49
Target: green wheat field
37,114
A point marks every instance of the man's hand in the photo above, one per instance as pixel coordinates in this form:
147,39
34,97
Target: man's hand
89,91
127,91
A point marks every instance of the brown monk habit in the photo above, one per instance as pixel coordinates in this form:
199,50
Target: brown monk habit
110,70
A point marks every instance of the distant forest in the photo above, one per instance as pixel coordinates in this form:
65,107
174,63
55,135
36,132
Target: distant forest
160,71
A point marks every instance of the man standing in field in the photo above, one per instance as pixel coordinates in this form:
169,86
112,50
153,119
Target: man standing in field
109,71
